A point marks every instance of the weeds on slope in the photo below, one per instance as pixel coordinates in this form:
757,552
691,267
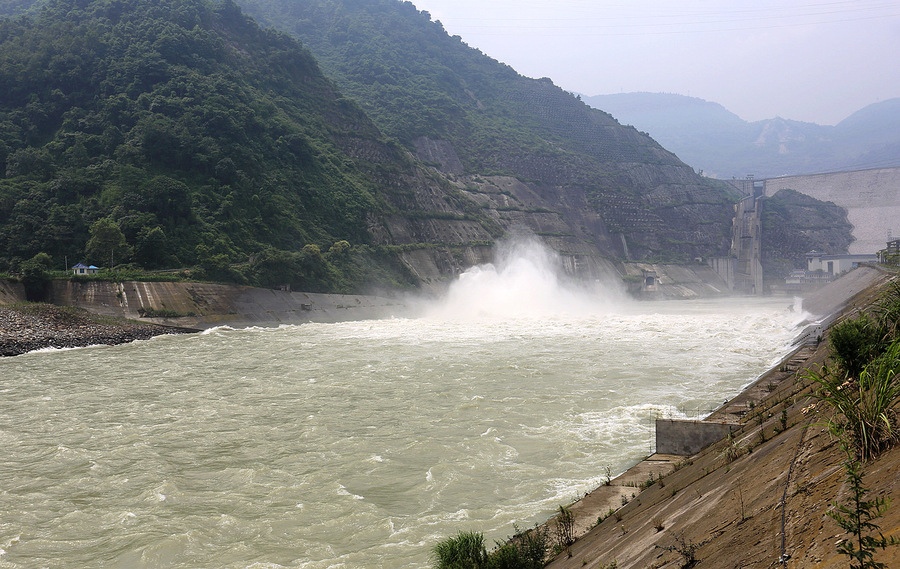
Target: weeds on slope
861,393
862,387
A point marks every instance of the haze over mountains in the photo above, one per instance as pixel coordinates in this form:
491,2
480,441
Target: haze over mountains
721,144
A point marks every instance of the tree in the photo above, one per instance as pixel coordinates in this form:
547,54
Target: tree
857,517
107,241
152,249
36,277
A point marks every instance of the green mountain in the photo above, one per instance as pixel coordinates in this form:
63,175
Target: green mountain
711,138
619,192
202,138
178,133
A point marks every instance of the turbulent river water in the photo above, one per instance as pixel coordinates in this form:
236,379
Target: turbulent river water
356,444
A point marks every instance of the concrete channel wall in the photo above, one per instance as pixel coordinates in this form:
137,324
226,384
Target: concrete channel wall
686,438
205,305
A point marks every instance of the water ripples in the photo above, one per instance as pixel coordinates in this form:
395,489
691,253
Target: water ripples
356,444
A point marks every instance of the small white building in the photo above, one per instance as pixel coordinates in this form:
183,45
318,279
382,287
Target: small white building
836,264
82,269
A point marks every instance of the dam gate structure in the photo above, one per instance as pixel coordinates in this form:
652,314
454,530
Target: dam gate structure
746,245
742,269
871,198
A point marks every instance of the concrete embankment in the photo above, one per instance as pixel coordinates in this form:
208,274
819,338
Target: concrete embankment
132,310
206,305
758,498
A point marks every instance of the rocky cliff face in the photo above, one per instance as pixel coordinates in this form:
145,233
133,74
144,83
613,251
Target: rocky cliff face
500,151
794,224
446,221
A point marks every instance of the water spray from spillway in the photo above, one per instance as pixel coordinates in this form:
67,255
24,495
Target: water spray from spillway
526,280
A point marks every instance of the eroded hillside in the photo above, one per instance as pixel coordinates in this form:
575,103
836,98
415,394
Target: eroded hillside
466,114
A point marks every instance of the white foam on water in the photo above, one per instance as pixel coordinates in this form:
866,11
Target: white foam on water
525,281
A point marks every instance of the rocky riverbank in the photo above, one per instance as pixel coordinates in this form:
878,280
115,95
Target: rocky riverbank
28,327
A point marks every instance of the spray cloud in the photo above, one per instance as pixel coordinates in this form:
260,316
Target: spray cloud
524,281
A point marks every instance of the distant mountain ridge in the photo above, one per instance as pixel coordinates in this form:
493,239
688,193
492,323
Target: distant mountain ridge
710,138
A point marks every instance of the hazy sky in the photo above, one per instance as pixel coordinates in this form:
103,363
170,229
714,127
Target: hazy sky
809,60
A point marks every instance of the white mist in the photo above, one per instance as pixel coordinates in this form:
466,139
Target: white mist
525,281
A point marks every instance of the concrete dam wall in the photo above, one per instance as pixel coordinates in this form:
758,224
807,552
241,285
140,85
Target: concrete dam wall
871,198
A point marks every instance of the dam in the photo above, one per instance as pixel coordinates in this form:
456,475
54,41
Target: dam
871,198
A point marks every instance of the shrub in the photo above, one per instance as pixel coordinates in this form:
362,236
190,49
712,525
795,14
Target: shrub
687,549
862,406
854,343
465,551
524,551
36,277
732,450
565,528
857,517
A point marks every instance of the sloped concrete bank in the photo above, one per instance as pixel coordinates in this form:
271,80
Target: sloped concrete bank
89,313
206,305
756,499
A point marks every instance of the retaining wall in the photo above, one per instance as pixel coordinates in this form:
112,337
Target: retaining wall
686,438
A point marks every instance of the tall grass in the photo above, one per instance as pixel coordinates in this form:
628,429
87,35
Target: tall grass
526,550
862,406
887,312
465,551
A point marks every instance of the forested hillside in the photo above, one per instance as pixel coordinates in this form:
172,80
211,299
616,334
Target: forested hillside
179,134
14,7
174,133
468,114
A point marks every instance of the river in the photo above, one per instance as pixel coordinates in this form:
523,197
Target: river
355,444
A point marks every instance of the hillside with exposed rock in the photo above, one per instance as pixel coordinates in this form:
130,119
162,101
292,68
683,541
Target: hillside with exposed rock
615,191
794,224
181,134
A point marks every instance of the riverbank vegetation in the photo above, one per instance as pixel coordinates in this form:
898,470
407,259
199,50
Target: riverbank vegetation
467,550
861,387
861,392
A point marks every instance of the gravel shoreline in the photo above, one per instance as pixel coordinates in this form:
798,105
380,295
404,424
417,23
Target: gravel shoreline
25,328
